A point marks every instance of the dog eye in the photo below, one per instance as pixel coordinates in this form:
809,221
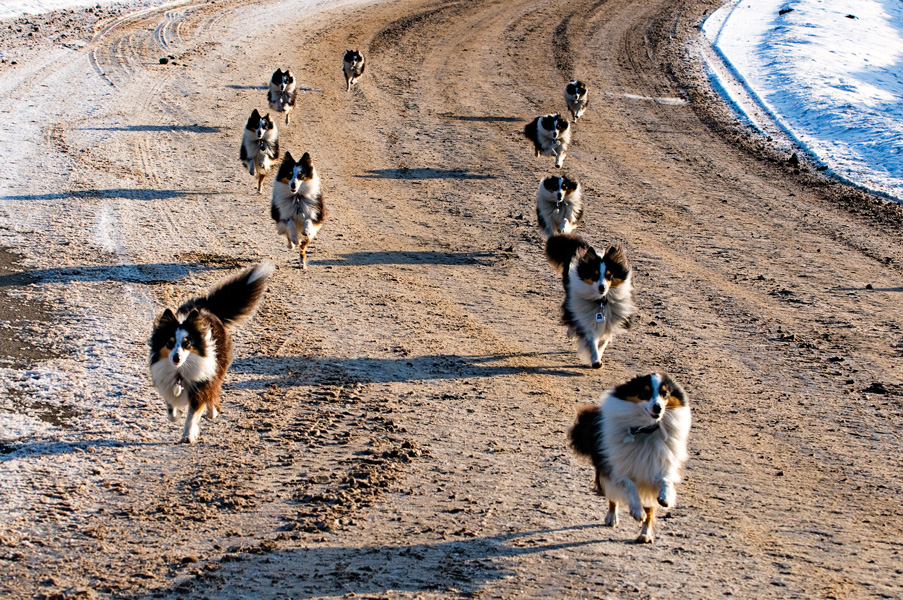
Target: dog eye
607,274
170,342
186,343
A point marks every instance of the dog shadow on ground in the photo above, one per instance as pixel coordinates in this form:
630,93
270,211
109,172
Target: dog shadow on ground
453,568
18,449
293,371
159,128
483,119
415,257
423,173
148,273
113,193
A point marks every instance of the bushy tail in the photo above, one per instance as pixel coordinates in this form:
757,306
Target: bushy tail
236,298
585,435
560,249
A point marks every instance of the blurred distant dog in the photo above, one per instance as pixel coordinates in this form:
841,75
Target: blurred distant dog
352,67
259,146
575,97
298,206
191,349
559,204
551,136
598,293
636,438
282,92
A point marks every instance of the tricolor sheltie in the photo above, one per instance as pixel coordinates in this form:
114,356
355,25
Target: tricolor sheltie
551,136
191,349
559,204
298,206
259,146
636,438
352,67
282,92
598,293
575,98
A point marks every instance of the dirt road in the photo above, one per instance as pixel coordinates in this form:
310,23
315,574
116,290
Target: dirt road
395,417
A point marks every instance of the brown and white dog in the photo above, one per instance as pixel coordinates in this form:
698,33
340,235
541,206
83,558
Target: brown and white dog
298,206
636,438
575,98
598,292
191,349
559,204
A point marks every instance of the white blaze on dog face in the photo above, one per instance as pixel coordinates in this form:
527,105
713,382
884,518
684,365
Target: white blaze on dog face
181,345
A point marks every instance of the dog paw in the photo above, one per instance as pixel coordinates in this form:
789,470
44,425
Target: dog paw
611,520
637,512
666,497
644,538
596,365
187,440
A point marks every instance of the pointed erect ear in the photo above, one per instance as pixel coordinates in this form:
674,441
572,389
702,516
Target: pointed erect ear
167,318
255,114
590,254
287,158
192,316
306,160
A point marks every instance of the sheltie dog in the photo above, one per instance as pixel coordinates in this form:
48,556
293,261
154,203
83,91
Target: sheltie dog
575,98
636,438
598,293
353,67
259,146
282,92
559,204
551,136
298,206
191,349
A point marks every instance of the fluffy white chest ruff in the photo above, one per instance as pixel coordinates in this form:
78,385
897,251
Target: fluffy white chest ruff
174,383
301,205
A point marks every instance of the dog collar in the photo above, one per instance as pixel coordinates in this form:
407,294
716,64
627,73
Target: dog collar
177,388
600,316
632,432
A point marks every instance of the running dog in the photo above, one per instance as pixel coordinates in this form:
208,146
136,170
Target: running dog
575,98
298,206
559,204
598,293
551,136
282,92
259,146
353,67
636,438
191,349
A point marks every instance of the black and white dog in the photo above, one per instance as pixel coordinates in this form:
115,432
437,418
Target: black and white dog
191,349
551,136
353,67
575,98
559,204
636,438
259,146
298,206
282,92
598,293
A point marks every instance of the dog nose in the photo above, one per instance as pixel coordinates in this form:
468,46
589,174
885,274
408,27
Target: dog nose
656,410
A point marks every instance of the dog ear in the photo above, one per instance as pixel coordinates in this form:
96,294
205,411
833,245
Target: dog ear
306,160
166,319
287,158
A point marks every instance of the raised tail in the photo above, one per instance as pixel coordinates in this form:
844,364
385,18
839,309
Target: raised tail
585,435
236,298
560,249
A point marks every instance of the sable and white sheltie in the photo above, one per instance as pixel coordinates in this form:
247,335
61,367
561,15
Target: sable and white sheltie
598,292
551,136
282,92
575,98
559,204
353,67
636,438
191,349
259,146
298,206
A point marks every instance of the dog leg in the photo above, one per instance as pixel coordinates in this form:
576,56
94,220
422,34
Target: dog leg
172,413
303,250
291,232
192,427
251,168
646,536
595,356
611,519
666,494
560,158
260,183
633,497
212,413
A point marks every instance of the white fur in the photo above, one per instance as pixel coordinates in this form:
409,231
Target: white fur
583,302
561,216
260,161
299,210
553,143
645,467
